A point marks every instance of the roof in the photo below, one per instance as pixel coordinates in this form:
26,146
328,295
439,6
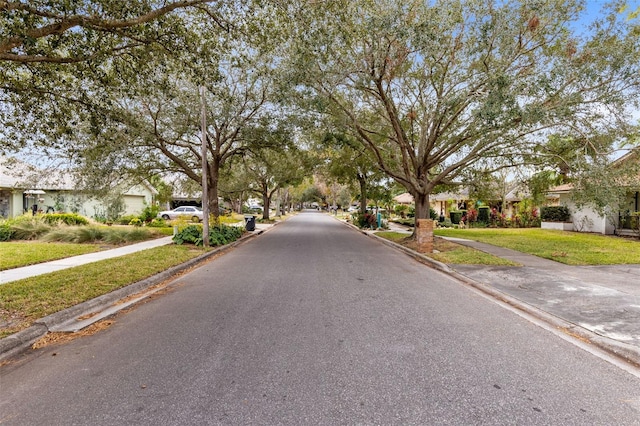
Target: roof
463,194
567,187
405,198
17,174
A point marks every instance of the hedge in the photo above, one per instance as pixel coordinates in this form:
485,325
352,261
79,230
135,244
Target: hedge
555,214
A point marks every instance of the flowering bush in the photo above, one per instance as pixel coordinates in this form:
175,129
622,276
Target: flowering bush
527,216
367,220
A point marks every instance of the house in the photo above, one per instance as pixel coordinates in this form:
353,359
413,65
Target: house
22,186
621,220
442,202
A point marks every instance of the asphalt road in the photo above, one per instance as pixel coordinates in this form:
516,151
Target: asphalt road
314,323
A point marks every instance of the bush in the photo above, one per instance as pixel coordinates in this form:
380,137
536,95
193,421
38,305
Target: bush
456,217
470,215
527,216
483,214
126,220
555,214
135,222
366,220
218,235
92,234
70,219
5,232
28,227
149,213
157,223
401,210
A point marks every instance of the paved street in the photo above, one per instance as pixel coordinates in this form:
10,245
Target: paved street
314,323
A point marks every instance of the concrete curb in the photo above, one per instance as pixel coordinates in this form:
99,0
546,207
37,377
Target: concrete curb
627,353
21,341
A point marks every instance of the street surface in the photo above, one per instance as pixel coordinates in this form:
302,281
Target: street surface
314,323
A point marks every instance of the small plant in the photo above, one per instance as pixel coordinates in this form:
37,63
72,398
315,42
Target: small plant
401,210
66,218
5,232
125,220
149,213
157,223
28,227
135,222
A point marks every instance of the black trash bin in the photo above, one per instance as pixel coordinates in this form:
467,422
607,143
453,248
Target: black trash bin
250,222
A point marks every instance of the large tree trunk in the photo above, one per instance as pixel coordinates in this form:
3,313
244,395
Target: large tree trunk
266,201
423,231
213,173
422,205
363,193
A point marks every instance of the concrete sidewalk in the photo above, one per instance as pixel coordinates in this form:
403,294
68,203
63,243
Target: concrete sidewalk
70,262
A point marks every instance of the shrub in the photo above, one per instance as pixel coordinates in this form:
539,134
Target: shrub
5,232
157,223
135,222
218,235
126,220
498,219
366,220
527,216
456,216
483,214
28,227
471,215
149,213
70,219
555,214
401,210
92,234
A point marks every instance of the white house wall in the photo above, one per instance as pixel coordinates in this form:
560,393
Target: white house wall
586,219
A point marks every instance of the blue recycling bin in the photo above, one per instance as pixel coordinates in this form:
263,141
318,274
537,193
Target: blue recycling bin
250,222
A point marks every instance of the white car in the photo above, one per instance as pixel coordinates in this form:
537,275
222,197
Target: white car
195,213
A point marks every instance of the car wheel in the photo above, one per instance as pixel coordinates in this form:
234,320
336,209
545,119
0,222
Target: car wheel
195,219
165,216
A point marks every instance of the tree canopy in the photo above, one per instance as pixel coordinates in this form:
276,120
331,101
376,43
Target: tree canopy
436,93
437,89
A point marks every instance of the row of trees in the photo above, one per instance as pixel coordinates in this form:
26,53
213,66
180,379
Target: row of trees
424,94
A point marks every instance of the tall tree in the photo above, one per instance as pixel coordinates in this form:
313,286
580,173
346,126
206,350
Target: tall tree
436,89
146,118
78,31
350,162
273,169
60,60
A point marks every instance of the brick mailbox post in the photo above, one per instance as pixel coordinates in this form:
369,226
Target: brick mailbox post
424,235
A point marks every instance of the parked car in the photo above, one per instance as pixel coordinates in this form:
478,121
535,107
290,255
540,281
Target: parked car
195,213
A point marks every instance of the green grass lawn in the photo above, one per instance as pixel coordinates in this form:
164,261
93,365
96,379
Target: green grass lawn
449,252
24,301
571,248
22,253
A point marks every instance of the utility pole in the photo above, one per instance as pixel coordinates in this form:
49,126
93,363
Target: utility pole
205,184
